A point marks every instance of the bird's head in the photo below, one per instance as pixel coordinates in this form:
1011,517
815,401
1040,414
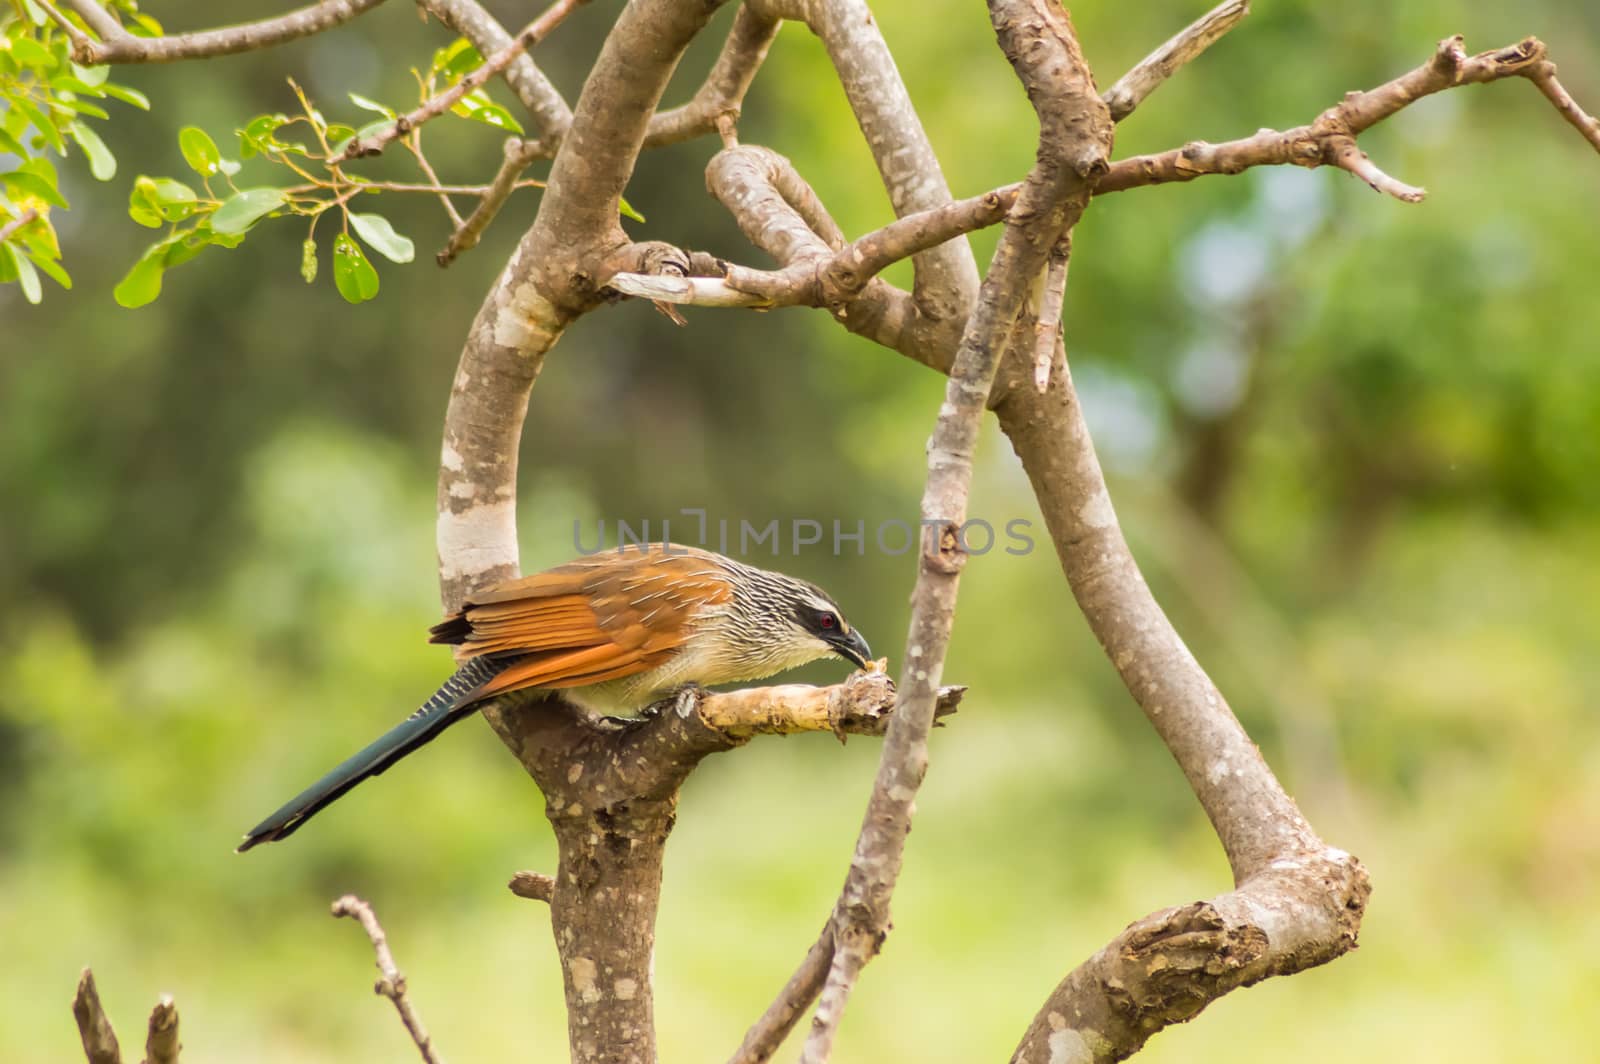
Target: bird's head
800,621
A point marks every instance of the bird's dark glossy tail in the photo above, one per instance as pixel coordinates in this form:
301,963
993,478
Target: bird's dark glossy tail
455,699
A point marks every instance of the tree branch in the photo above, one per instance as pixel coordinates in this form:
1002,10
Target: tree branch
391,984
99,1040
722,93
946,279
1151,72
436,105
535,886
161,1044
117,45
1074,140
550,113
519,155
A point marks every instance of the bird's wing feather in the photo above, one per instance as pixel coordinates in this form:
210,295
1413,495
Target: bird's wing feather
599,618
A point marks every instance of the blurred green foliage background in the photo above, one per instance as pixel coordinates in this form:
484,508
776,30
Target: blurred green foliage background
1355,443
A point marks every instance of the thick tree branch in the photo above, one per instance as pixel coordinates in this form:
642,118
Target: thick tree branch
391,983
550,113
99,1040
1151,72
535,886
119,46
436,105
722,93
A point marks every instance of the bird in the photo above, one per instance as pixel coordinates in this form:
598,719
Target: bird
614,632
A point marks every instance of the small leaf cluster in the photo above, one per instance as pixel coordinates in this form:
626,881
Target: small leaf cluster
306,145
46,102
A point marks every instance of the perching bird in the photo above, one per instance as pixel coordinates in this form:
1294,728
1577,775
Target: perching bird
614,632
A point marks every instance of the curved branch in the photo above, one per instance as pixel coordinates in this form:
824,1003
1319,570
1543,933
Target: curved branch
117,45
722,93
946,279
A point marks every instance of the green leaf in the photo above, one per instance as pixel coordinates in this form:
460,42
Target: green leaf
353,275
51,267
47,129
127,95
157,200
186,247
243,209
142,283
96,76
376,230
199,150
477,106
29,52
102,164
80,107
626,209
26,185
27,276
308,260
456,59
371,105
71,83
10,145
142,25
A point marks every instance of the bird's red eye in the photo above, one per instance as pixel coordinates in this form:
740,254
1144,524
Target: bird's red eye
828,620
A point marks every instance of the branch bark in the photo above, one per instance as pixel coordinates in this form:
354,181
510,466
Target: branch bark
722,93
94,1028
1074,141
117,45
161,1045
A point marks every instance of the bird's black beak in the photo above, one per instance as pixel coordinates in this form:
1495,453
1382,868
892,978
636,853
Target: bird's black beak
851,646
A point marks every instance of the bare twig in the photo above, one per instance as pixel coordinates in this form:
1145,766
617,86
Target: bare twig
437,105
812,280
1047,329
161,1044
723,91
12,227
1323,141
1153,70
414,143
119,46
535,886
549,111
1543,74
519,155
99,1040
391,983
